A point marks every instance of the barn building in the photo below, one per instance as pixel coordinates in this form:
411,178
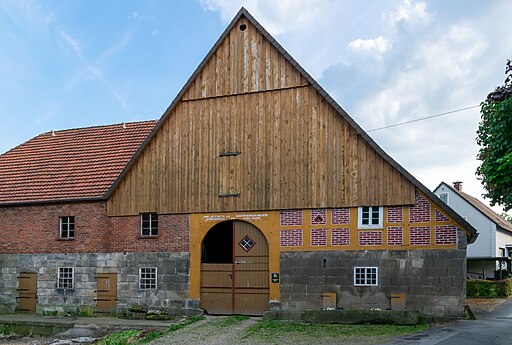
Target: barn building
255,191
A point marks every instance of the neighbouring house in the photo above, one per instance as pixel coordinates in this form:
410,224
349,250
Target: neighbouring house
489,256
254,192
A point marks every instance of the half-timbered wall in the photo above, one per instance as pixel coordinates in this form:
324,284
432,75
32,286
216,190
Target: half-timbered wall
250,133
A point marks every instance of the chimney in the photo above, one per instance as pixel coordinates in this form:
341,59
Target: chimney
458,186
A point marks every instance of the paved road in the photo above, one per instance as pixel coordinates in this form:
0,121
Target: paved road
494,328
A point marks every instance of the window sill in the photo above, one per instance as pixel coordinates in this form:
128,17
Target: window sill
147,237
377,227
65,239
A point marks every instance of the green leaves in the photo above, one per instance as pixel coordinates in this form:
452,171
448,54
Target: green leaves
494,136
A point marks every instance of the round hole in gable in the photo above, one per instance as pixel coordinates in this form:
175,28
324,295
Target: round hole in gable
243,27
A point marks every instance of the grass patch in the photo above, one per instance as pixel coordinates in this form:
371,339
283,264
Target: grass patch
271,329
143,337
119,338
232,320
188,321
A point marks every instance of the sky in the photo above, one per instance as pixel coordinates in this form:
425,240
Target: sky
80,63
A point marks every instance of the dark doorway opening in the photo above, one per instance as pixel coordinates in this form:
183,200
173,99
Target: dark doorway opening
217,245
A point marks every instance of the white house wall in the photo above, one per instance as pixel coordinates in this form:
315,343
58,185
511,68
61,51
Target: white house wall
503,239
485,244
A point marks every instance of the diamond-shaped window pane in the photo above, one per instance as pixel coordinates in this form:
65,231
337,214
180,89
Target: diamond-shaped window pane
247,243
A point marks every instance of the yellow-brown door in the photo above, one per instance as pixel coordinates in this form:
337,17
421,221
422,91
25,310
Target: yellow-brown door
27,292
234,270
106,293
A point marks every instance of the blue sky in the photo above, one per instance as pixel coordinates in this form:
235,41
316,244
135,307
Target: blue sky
68,64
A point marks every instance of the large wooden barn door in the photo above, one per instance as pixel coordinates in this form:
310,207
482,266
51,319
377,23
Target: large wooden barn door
27,292
234,270
251,279
106,293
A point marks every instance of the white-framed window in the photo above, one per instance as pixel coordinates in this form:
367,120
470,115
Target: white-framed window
67,227
366,276
66,277
147,278
443,197
369,217
149,224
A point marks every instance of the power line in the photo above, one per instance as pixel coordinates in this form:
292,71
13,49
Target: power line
423,118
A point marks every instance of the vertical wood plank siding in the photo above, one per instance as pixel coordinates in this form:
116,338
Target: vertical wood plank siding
296,150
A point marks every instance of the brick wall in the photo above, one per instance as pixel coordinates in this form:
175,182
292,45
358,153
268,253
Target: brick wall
441,217
318,237
318,216
419,235
420,212
395,235
395,214
370,238
291,217
340,237
35,229
290,238
340,216
446,234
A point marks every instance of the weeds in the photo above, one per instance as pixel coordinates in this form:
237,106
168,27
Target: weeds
119,338
232,320
270,329
143,337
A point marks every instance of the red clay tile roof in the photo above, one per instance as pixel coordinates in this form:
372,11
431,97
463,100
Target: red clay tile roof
69,164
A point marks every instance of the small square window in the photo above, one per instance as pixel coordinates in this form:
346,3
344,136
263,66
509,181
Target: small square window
370,217
147,278
149,224
366,276
66,277
443,197
67,227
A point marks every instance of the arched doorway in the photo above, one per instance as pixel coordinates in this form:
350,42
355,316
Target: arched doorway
234,269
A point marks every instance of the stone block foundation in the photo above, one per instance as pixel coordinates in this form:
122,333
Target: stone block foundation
170,295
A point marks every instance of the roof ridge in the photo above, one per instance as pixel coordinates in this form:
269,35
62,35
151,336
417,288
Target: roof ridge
98,126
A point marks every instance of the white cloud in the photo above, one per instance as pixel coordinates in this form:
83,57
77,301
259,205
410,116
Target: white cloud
374,46
409,12
276,16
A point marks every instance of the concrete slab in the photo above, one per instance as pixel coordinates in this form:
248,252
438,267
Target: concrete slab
83,322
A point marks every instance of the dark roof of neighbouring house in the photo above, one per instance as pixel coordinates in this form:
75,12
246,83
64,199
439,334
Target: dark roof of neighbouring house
73,164
482,208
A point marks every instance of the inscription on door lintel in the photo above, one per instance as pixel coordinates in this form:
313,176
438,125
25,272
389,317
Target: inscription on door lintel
221,217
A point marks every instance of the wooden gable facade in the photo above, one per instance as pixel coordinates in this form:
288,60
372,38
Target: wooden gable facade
251,130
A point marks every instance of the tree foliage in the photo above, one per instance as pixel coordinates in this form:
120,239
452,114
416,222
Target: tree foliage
494,136
506,217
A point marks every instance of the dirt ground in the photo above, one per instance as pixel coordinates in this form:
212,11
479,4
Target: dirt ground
213,331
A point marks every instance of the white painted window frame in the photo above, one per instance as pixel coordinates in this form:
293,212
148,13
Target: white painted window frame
360,224
66,220
153,231
143,286
366,271
61,279
444,194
